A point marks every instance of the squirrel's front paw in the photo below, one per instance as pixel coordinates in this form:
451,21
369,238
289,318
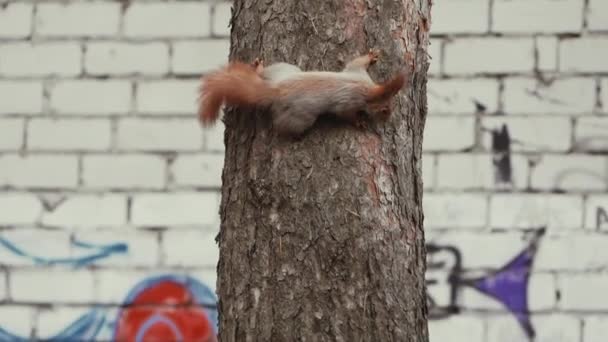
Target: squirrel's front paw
258,65
374,55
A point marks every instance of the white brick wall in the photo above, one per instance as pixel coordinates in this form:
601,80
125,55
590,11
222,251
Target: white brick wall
11,134
537,16
124,171
78,19
16,20
118,58
177,19
20,97
584,55
489,55
68,134
99,143
22,59
91,97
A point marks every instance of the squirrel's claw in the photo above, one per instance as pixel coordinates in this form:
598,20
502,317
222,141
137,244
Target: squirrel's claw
374,55
258,65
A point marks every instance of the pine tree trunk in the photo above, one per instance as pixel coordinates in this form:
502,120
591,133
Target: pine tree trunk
321,238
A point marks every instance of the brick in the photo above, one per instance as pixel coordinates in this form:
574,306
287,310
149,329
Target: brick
39,171
476,171
177,208
584,55
214,138
539,16
198,170
591,134
168,97
11,134
20,97
464,16
461,325
113,285
177,19
557,328
91,97
428,171
548,328
460,130
584,292
19,320
118,58
207,277
557,253
60,286
195,57
16,20
604,95
3,288
546,133
190,248
222,13
61,134
40,59
570,172
535,210
488,55
498,248
159,135
89,211
124,171
143,248
596,212
546,51
434,51
597,16
44,243
454,210
52,320
19,208
595,328
563,96
462,96
542,292
78,19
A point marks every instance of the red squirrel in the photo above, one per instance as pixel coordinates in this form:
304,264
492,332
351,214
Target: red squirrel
297,98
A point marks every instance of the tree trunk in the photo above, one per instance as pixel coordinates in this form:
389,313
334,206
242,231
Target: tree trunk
321,237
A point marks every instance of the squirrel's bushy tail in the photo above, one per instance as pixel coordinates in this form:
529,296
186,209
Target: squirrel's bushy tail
235,84
385,91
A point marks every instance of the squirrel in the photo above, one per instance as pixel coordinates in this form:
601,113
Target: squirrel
297,98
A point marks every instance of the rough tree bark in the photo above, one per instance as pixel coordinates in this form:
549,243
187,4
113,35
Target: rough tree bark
321,238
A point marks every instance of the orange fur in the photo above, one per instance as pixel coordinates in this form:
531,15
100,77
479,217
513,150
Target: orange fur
236,84
385,91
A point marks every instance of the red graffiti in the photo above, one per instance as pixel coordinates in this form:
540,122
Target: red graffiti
164,311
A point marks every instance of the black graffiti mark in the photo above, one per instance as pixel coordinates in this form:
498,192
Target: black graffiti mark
501,156
507,284
601,216
536,94
479,107
436,311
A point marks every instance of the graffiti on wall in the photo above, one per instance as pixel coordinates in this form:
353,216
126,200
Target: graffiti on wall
173,307
447,276
161,308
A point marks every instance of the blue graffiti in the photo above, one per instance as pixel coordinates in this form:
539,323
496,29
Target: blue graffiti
99,252
84,328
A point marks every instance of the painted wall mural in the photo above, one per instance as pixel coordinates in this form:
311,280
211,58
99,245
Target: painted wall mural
175,307
161,308
508,284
